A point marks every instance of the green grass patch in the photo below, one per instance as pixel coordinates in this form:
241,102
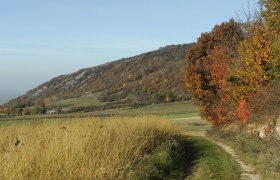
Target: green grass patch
85,100
212,162
6,123
172,160
175,108
192,126
186,114
192,158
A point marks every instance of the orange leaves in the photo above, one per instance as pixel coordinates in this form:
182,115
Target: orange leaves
219,66
258,51
271,14
210,61
217,116
225,69
243,111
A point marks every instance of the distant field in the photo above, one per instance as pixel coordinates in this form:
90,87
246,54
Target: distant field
185,108
169,110
85,100
194,126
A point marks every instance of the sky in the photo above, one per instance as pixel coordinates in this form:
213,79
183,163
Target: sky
41,39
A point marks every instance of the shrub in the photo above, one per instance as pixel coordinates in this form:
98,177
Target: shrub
265,104
158,98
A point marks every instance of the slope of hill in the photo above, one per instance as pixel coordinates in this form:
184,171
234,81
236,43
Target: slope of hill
154,76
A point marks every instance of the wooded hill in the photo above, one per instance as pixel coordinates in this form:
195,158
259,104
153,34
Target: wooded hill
152,77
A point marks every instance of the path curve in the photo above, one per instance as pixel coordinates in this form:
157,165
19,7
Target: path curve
247,171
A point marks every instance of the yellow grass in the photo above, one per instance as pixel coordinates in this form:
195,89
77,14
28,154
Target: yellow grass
79,149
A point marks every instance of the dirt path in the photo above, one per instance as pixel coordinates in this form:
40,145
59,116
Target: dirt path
247,172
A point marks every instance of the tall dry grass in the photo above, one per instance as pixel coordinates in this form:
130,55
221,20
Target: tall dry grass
81,148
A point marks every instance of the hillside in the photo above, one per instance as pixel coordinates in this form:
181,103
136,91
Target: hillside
155,76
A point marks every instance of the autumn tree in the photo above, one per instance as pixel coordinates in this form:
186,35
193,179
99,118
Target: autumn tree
26,111
209,64
276,62
260,56
261,49
40,107
256,52
232,63
270,11
271,15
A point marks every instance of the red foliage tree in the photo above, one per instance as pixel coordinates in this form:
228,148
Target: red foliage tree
210,61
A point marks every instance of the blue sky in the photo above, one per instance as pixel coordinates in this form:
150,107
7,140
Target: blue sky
41,39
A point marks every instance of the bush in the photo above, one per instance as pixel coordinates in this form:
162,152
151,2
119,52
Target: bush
169,161
158,98
39,110
265,104
26,111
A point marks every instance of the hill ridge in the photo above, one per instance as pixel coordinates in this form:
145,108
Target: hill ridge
138,77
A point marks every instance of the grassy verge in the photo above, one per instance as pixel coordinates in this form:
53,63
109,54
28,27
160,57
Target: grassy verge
194,158
170,161
80,149
264,156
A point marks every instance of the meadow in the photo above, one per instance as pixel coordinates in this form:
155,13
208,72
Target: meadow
170,110
84,100
163,141
80,148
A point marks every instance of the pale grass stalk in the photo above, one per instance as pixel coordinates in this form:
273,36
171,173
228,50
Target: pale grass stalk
80,148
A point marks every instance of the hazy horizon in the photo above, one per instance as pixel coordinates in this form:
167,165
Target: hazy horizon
44,39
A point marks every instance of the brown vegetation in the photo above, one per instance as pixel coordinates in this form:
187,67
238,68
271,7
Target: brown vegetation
80,149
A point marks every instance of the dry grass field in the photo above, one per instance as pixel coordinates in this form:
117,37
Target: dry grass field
80,149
